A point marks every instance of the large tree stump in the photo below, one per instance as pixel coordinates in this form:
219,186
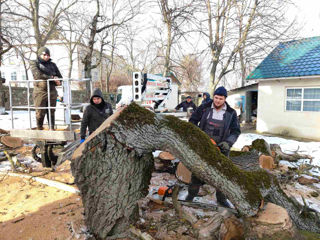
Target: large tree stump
112,169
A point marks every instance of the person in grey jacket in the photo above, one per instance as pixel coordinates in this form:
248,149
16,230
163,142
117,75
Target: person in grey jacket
94,114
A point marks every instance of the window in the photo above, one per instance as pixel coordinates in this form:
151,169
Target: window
14,76
303,99
23,75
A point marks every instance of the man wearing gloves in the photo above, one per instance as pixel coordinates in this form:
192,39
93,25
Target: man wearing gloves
44,69
217,119
94,114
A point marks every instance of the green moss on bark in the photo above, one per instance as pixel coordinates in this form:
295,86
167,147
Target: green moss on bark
238,153
201,144
310,235
135,115
260,145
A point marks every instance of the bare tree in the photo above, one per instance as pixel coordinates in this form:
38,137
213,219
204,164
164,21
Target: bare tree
141,52
174,16
72,29
100,23
44,22
238,33
189,70
5,43
268,28
220,15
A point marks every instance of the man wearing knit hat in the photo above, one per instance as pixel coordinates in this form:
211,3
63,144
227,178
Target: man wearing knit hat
219,121
44,69
188,103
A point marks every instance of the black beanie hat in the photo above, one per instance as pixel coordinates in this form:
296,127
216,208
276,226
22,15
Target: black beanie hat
221,91
43,50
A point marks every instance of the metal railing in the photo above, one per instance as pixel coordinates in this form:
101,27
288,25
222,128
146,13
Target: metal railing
66,92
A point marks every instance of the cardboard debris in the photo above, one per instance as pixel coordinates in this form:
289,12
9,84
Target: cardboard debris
183,174
166,156
12,142
2,131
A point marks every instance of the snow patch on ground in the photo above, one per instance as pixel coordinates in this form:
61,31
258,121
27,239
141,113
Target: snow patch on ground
313,203
21,119
287,146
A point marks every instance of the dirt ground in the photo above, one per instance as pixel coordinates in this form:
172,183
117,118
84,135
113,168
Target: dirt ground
32,210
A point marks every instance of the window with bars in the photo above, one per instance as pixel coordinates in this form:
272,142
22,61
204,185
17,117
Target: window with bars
303,99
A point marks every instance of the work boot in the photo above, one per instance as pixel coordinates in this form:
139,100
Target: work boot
221,199
39,123
193,191
193,188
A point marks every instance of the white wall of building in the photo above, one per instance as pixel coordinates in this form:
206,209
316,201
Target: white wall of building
13,65
273,116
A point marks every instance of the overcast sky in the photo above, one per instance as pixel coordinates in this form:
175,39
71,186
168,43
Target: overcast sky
308,16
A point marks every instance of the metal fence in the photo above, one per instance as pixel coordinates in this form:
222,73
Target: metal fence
67,96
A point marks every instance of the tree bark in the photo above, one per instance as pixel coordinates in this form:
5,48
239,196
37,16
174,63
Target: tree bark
112,178
112,169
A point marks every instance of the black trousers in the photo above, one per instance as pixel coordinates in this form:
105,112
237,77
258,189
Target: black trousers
196,183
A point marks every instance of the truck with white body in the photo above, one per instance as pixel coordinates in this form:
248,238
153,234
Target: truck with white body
151,91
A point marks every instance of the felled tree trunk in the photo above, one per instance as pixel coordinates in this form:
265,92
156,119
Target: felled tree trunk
274,150
111,178
113,167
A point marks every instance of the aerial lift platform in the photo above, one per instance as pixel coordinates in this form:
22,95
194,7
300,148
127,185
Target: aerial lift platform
45,140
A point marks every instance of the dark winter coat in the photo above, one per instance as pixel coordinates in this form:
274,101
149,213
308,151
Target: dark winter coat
185,105
207,99
42,70
231,127
93,117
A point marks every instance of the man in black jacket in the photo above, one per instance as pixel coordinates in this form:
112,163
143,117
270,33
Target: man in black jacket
217,119
186,104
44,69
95,114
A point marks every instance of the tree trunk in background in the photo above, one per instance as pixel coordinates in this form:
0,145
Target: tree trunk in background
112,169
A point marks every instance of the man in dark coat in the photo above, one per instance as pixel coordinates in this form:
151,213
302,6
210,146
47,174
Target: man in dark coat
44,69
95,114
186,104
217,119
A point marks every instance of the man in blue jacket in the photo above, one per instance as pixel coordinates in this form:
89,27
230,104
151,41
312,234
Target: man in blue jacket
217,119
206,98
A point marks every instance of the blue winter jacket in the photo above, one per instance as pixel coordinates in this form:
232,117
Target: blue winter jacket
231,127
207,99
